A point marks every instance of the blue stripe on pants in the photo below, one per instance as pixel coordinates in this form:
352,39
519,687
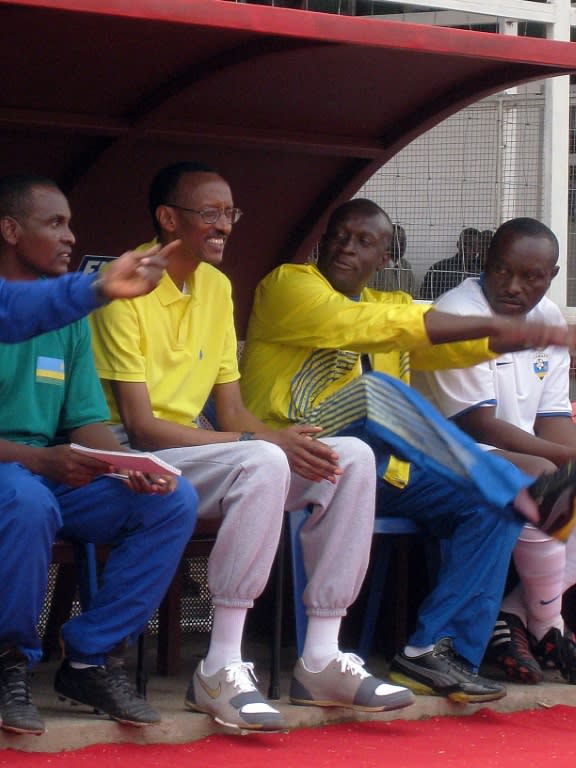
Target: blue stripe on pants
395,419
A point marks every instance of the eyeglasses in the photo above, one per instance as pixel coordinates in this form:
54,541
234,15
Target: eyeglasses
211,215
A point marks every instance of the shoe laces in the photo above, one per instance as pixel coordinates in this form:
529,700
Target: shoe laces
15,679
241,675
349,662
448,653
119,681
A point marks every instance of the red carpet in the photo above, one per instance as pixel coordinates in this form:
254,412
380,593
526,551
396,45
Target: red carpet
533,739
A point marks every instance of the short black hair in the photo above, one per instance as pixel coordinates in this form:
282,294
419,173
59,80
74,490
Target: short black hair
357,205
15,192
165,182
523,225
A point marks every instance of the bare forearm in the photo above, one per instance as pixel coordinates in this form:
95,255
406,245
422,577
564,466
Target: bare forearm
506,334
508,437
159,434
443,328
97,435
27,455
557,429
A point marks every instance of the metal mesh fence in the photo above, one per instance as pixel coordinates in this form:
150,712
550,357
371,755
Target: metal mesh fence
450,188
475,170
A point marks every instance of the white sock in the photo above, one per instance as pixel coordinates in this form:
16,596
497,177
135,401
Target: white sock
412,651
81,665
225,639
540,561
321,644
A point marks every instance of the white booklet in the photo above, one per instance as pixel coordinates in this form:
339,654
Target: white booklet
123,460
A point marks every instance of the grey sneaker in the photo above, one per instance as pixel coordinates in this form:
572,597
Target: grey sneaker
442,672
18,713
345,683
232,698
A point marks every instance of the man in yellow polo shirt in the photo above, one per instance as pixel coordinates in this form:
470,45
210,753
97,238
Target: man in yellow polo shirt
160,359
309,330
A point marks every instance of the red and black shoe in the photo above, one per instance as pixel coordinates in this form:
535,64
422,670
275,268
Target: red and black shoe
510,648
556,651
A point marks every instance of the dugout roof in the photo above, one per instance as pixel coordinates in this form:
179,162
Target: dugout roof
295,108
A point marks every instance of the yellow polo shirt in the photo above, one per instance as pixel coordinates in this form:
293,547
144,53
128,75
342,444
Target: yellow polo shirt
180,344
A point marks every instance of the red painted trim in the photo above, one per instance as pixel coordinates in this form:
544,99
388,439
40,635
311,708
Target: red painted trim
325,27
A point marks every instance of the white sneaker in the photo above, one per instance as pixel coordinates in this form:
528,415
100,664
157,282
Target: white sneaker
232,699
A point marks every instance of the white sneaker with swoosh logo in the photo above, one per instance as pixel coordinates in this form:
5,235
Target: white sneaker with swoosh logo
232,698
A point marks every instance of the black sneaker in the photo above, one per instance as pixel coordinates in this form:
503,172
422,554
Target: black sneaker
19,715
106,689
557,651
442,672
510,648
555,494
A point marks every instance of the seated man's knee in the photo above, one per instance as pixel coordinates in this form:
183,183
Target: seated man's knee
352,451
269,458
28,506
534,465
186,502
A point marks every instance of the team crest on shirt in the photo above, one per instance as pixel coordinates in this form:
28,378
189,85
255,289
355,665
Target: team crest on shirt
540,364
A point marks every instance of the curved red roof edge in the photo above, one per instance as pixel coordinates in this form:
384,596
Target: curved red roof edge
319,26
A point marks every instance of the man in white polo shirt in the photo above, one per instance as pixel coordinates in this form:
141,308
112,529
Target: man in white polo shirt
518,405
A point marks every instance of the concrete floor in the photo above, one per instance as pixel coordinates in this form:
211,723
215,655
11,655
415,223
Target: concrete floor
70,727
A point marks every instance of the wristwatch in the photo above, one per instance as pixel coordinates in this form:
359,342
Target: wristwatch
246,436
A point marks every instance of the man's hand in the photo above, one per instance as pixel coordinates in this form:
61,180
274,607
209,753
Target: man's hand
511,334
136,273
63,465
141,483
307,457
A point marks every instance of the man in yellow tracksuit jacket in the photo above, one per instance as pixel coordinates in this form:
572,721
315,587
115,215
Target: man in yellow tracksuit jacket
311,330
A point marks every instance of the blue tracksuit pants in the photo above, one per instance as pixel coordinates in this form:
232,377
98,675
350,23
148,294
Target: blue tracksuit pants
456,492
148,534
477,544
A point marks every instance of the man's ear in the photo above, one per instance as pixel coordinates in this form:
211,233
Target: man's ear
320,248
555,271
166,217
10,229
385,257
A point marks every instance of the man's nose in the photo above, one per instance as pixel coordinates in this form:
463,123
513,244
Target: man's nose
68,236
223,222
514,285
